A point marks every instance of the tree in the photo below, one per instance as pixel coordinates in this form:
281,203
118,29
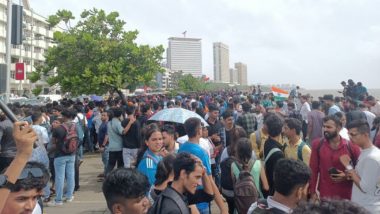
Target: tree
188,83
97,55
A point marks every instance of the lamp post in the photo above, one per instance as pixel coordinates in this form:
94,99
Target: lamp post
8,50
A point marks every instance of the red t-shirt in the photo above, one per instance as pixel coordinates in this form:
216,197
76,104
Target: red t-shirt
329,157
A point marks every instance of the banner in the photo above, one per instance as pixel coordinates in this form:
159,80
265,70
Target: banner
20,72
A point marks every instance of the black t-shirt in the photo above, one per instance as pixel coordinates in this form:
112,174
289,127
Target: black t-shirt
59,135
132,138
214,128
272,161
229,134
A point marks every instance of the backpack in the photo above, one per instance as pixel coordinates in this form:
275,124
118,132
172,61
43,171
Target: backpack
299,150
225,177
173,195
71,140
245,190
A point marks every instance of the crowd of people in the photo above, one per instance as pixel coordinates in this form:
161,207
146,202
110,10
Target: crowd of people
254,155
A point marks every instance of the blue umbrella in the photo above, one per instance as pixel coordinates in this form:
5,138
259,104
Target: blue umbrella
176,115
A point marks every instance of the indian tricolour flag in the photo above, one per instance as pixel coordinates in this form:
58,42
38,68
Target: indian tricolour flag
279,94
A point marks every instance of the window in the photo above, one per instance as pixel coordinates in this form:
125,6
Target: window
14,60
13,74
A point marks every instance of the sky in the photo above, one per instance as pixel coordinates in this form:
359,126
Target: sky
311,43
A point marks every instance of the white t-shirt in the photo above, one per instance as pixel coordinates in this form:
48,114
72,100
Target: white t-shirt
368,169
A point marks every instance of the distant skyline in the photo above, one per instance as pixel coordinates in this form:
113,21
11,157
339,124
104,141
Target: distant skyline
313,44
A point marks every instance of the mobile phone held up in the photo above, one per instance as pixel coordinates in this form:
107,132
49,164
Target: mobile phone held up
11,116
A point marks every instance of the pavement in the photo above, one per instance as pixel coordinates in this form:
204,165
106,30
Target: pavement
89,198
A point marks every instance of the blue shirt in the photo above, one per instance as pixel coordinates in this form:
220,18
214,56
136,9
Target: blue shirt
148,165
333,109
102,133
197,150
115,131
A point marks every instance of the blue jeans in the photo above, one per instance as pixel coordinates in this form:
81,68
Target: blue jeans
64,169
105,156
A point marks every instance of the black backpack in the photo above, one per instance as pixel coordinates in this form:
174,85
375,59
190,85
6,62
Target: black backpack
225,174
262,208
172,195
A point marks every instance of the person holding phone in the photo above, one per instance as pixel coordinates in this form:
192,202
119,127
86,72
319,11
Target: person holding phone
325,162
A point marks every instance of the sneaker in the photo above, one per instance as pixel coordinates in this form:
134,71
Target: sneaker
53,203
68,200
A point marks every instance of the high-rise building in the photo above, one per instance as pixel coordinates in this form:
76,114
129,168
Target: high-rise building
221,62
185,54
233,76
37,38
241,70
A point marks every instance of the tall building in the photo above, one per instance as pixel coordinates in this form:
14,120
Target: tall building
241,70
185,54
221,62
37,39
233,76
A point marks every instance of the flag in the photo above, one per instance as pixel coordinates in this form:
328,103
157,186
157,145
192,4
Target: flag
184,33
279,94
19,74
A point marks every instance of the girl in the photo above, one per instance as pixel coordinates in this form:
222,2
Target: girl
149,154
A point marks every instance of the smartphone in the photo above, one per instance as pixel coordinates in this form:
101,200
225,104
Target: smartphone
333,171
12,117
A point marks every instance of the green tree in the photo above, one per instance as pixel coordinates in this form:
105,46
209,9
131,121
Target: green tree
188,83
97,55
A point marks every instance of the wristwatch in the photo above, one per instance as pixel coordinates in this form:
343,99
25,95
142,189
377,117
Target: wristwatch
4,183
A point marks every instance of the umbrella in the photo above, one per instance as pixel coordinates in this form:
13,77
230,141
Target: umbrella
177,115
96,98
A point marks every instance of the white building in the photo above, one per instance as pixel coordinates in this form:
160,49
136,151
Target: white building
37,39
233,76
221,62
241,70
185,54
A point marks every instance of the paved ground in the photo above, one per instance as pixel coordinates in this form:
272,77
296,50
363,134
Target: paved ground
89,199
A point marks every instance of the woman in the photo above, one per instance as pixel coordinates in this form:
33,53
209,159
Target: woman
245,162
149,154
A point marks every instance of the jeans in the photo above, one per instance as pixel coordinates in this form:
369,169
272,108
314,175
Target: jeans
64,169
129,157
80,151
105,157
114,157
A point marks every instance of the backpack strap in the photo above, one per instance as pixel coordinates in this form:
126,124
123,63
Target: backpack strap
170,193
271,152
352,156
299,150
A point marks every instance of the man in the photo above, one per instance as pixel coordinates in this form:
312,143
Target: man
366,175
354,113
125,192
330,207
7,145
229,126
193,129
103,142
296,148
288,192
273,149
131,137
64,162
374,105
315,122
330,104
325,164
182,192
247,120
168,136
305,109
27,189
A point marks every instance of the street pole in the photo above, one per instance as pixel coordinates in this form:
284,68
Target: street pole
8,51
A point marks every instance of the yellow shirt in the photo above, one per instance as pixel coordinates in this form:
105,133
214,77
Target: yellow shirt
260,151
291,151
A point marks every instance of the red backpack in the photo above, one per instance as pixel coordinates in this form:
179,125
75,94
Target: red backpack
71,140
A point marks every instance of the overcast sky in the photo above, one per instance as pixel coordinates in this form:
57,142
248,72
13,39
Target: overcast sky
312,43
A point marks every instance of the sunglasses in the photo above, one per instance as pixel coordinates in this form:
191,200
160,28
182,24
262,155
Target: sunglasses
35,172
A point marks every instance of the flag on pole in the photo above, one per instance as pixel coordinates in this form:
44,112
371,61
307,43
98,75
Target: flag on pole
184,33
279,94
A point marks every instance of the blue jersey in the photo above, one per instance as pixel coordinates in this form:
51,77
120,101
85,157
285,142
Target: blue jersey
148,165
197,150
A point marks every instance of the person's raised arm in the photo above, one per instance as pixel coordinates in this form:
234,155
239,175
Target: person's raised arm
24,137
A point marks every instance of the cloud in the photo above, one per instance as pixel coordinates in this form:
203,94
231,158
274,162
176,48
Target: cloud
312,43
